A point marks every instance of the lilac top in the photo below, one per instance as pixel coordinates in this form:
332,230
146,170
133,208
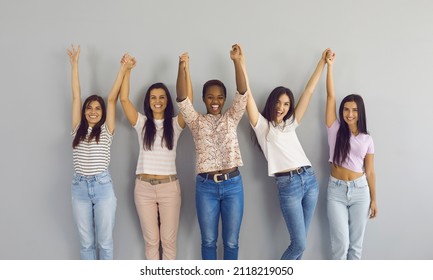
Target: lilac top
360,146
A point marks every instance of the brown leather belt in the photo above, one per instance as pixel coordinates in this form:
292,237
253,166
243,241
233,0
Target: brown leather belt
171,178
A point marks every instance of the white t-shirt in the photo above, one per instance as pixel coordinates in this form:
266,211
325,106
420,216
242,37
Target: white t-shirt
160,160
280,145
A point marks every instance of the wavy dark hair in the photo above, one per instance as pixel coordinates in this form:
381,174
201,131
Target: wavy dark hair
149,128
269,112
211,83
342,144
82,129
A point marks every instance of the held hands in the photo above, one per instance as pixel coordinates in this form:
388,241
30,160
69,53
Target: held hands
329,56
184,61
74,54
236,54
128,62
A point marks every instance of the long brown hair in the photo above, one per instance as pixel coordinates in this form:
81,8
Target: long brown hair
149,129
83,127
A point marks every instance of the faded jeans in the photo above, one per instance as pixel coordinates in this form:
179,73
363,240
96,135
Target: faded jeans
94,207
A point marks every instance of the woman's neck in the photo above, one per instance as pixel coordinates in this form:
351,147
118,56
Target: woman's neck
158,116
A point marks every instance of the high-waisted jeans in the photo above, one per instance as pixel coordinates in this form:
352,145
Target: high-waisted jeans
298,198
348,209
94,208
225,199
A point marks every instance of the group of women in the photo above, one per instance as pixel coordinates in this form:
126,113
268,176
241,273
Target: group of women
351,197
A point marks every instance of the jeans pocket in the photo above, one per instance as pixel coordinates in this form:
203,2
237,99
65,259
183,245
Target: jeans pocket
310,171
75,181
106,179
200,179
283,181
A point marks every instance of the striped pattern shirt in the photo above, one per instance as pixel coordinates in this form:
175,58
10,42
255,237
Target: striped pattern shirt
91,158
160,160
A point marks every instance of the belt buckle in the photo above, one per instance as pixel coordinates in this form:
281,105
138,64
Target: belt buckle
154,181
299,170
215,177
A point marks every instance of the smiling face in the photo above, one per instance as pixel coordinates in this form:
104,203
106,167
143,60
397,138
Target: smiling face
93,113
158,102
214,100
282,107
350,113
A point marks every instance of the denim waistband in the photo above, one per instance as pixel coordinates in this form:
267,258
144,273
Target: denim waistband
358,182
91,177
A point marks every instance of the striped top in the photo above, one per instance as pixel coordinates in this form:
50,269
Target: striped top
92,158
160,160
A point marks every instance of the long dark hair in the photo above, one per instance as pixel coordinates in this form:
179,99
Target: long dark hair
149,129
342,144
269,112
82,129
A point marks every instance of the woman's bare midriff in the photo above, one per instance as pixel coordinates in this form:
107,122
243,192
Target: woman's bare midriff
345,174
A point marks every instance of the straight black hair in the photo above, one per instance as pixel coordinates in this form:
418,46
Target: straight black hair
342,143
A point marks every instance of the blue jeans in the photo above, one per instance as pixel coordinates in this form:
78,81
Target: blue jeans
225,199
298,198
94,208
348,205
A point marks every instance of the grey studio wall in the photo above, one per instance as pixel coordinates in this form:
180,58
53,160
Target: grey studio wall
384,52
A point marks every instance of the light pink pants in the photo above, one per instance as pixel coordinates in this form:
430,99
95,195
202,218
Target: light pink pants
151,200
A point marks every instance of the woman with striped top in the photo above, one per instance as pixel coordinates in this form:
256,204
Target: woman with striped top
93,198
157,192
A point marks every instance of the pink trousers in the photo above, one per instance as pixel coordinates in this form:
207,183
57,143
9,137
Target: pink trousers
158,207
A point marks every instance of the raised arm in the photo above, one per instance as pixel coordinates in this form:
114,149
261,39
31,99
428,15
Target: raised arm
236,55
331,107
74,54
305,98
127,106
114,94
371,179
183,84
252,111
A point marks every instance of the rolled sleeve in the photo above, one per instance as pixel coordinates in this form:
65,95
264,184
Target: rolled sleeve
237,109
187,110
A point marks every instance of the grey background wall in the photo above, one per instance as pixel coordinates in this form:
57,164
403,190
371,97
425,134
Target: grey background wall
384,52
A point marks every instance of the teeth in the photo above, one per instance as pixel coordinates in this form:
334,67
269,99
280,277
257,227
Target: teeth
158,106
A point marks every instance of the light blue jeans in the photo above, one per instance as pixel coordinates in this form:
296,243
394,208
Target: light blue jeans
94,207
298,198
225,199
348,209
